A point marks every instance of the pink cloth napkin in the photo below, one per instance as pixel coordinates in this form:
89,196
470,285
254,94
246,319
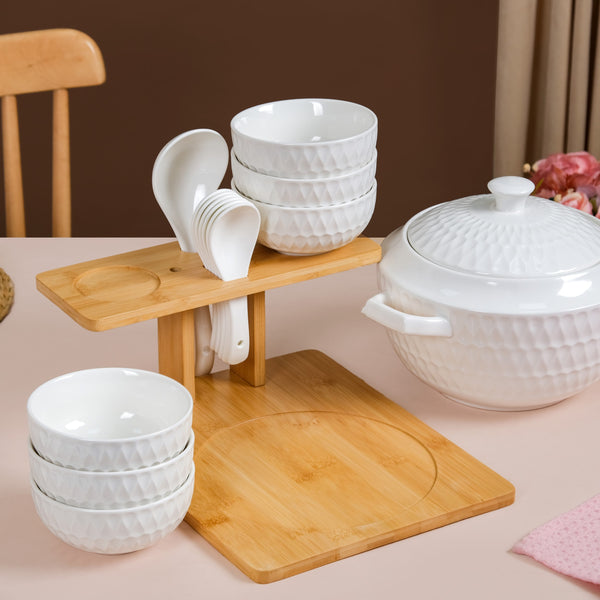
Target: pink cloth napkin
570,543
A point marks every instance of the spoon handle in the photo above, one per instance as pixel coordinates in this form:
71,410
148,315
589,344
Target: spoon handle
235,342
205,357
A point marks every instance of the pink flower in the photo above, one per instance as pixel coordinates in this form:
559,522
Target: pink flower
570,164
576,200
589,190
561,173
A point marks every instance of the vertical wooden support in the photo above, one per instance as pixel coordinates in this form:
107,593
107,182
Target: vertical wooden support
252,369
61,166
176,348
13,180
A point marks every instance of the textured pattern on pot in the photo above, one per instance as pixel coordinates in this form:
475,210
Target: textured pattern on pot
109,419
511,330
305,138
503,362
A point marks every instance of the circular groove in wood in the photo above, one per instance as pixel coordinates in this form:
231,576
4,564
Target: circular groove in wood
117,282
305,475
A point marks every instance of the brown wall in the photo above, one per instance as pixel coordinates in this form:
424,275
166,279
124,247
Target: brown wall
426,67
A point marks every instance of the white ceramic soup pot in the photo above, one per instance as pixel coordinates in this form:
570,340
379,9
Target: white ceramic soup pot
115,531
305,138
109,419
308,193
113,489
494,300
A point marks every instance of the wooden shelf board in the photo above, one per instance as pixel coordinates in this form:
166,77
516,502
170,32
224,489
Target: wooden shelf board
162,280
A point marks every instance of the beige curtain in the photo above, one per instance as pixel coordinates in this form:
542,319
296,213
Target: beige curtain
547,81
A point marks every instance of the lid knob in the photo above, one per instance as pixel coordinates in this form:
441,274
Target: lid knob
510,192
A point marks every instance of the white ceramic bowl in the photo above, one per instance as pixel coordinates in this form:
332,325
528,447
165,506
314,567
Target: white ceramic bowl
305,231
109,419
114,531
303,192
494,300
305,138
111,490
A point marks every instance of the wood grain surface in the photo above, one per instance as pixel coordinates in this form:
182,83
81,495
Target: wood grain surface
38,61
48,59
316,465
162,280
298,462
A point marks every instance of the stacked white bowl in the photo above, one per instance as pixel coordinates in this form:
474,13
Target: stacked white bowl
111,457
308,165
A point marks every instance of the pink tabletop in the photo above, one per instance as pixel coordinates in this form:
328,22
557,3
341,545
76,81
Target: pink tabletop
552,456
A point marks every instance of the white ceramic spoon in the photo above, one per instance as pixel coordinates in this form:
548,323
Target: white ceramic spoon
202,205
220,341
205,356
225,230
192,164
215,204
231,239
207,224
204,209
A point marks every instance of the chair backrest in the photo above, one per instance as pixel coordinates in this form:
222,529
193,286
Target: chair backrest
37,61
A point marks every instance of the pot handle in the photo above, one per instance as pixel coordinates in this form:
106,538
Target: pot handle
376,309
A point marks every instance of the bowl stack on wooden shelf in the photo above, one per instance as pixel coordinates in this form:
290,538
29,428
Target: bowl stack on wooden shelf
111,457
308,165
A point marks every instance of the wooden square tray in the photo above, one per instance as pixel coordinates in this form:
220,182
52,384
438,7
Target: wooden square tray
316,465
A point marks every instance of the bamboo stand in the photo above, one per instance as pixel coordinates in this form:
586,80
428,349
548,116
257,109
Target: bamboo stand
298,462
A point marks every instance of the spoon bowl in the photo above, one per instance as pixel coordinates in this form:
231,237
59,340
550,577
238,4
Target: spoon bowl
192,164
231,238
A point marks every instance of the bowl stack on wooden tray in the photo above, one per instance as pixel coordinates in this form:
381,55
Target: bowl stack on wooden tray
308,165
111,457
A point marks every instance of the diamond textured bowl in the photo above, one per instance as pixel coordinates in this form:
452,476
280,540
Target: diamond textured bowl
109,419
303,192
114,531
305,138
111,490
305,231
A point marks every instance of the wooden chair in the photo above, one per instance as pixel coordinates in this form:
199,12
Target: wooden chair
36,61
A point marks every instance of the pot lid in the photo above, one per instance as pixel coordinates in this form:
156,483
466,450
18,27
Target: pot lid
507,233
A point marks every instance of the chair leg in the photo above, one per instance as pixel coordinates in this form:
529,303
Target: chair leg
61,166
13,180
